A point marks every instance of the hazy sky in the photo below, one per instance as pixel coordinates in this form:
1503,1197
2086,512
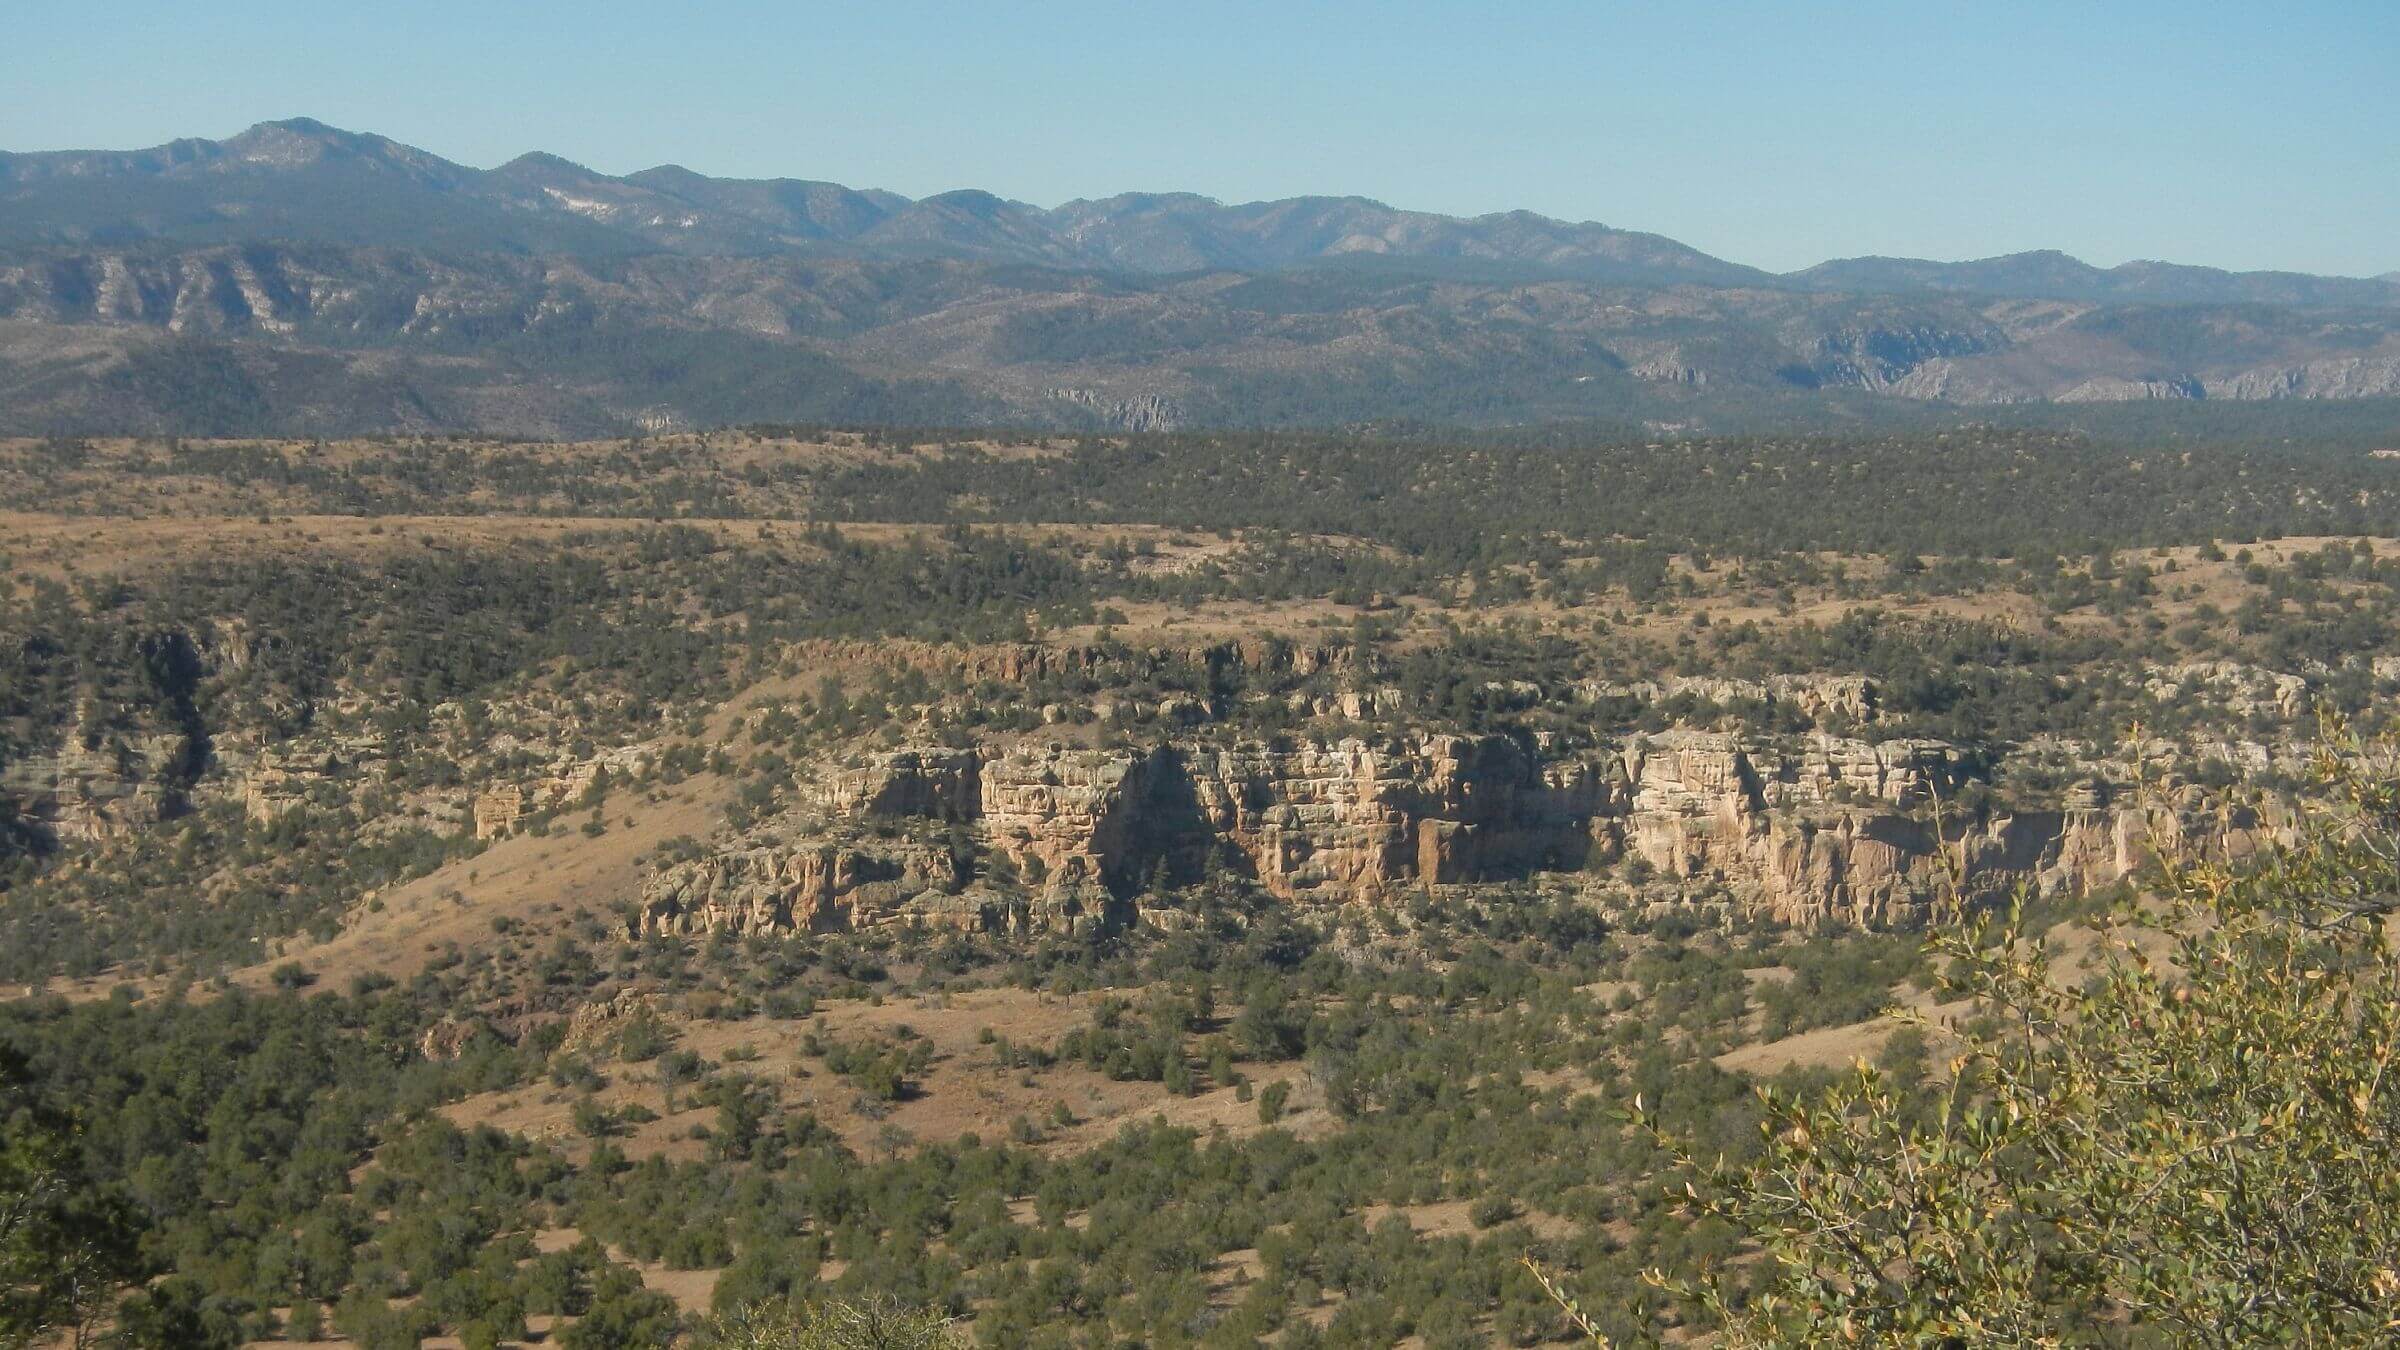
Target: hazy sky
2240,135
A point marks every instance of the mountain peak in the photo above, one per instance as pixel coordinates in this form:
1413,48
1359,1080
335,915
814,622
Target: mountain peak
541,202
290,141
302,142
1139,201
974,201
2049,274
310,131
543,164
305,126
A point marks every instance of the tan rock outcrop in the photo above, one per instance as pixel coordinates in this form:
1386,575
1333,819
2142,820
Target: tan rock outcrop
591,1026
1842,830
938,783
448,1038
2241,690
1808,829
498,810
1063,817
1109,664
97,786
1352,819
278,778
1818,696
806,885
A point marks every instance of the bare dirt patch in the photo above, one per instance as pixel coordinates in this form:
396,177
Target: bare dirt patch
1453,1218
534,882
964,1090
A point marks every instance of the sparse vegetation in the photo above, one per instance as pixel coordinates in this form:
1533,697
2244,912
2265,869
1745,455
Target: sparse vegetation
379,1036
2193,1144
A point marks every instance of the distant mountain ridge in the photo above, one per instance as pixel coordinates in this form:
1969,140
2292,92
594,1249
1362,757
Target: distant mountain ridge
301,279
2047,274
303,181
371,190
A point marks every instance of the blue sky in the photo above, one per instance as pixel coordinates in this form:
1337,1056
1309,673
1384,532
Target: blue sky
2236,135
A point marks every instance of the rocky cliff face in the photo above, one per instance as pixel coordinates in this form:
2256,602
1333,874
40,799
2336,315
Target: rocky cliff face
1844,830
498,810
93,789
193,726
1350,819
1811,829
796,887
106,772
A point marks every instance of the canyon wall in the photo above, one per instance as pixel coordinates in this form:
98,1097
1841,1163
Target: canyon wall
1805,829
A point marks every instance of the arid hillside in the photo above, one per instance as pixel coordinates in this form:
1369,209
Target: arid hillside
524,891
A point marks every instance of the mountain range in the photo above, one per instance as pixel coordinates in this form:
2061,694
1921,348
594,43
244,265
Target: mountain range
297,277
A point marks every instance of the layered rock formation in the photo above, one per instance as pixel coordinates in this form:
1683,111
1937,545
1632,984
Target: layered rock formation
97,786
276,781
497,811
1848,831
1811,829
2241,690
1350,819
797,887
1817,696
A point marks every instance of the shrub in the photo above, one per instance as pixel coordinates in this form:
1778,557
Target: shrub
2206,1145
1271,1100
1491,1211
868,1324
